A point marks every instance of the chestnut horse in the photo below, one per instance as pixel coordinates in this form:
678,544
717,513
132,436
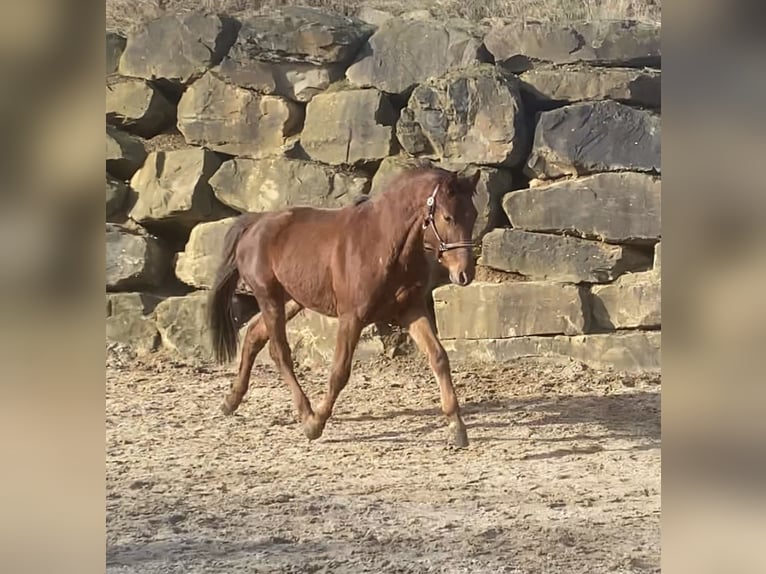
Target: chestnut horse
363,263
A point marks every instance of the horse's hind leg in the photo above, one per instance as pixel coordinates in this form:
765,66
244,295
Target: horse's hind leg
256,337
275,319
349,330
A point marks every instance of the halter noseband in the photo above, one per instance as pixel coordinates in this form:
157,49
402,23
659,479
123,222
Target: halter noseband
430,222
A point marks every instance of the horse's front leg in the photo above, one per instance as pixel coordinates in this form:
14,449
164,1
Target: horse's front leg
349,331
422,332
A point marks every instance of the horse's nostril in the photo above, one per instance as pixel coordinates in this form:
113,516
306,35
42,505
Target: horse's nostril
462,278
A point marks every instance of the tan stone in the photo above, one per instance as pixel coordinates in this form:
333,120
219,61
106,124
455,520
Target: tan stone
634,300
129,320
198,263
634,351
182,323
237,121
500,310
138,107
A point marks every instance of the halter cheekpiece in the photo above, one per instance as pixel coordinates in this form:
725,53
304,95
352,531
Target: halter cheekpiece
431,222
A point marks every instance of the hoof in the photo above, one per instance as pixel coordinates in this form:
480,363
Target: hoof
227,409
313,428
458,435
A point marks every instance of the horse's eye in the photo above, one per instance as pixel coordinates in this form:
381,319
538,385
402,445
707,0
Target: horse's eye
448,218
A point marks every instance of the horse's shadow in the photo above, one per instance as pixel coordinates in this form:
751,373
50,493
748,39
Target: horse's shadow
633,416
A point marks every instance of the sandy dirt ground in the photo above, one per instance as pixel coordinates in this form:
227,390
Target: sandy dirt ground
562,473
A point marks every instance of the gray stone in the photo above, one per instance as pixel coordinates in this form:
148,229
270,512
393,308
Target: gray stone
617,207
236,120
117,193
125,154
557,257
373,16
301,34
130,321
391,167
594,137
636,351
579,83
634,300
349,127
519,46
174,191
115,45
182,323
135,261
468,116
137,107
178,48
403,53
198,263
500,310
277,183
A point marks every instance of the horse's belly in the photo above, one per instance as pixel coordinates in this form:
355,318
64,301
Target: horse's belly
309,285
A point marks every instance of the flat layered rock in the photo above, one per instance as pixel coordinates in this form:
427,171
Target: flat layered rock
586,138
130,321
125,154
349,127
467,116
198,263
429,48
237,121
616,207
636,351
520,46
580,83
634,300
560,258
270,184
135,261
178,48
174,191
137,107
500,310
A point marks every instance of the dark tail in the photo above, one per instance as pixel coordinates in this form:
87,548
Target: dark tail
221,320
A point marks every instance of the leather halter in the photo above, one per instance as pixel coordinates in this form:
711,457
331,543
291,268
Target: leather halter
431,222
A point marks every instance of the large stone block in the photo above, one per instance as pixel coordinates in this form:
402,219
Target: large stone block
403,53
237,121
636,351
519,46
178,48
125,154
174,192
634,300
579,83
557,257
585,138
115,45
137,107
301,34
348,127
198,264
467,116
182,323
130,321
617,207
499,310
276,183
135,261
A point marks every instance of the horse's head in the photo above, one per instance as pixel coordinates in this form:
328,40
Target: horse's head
449,223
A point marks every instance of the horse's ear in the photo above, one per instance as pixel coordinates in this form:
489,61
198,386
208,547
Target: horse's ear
452,181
